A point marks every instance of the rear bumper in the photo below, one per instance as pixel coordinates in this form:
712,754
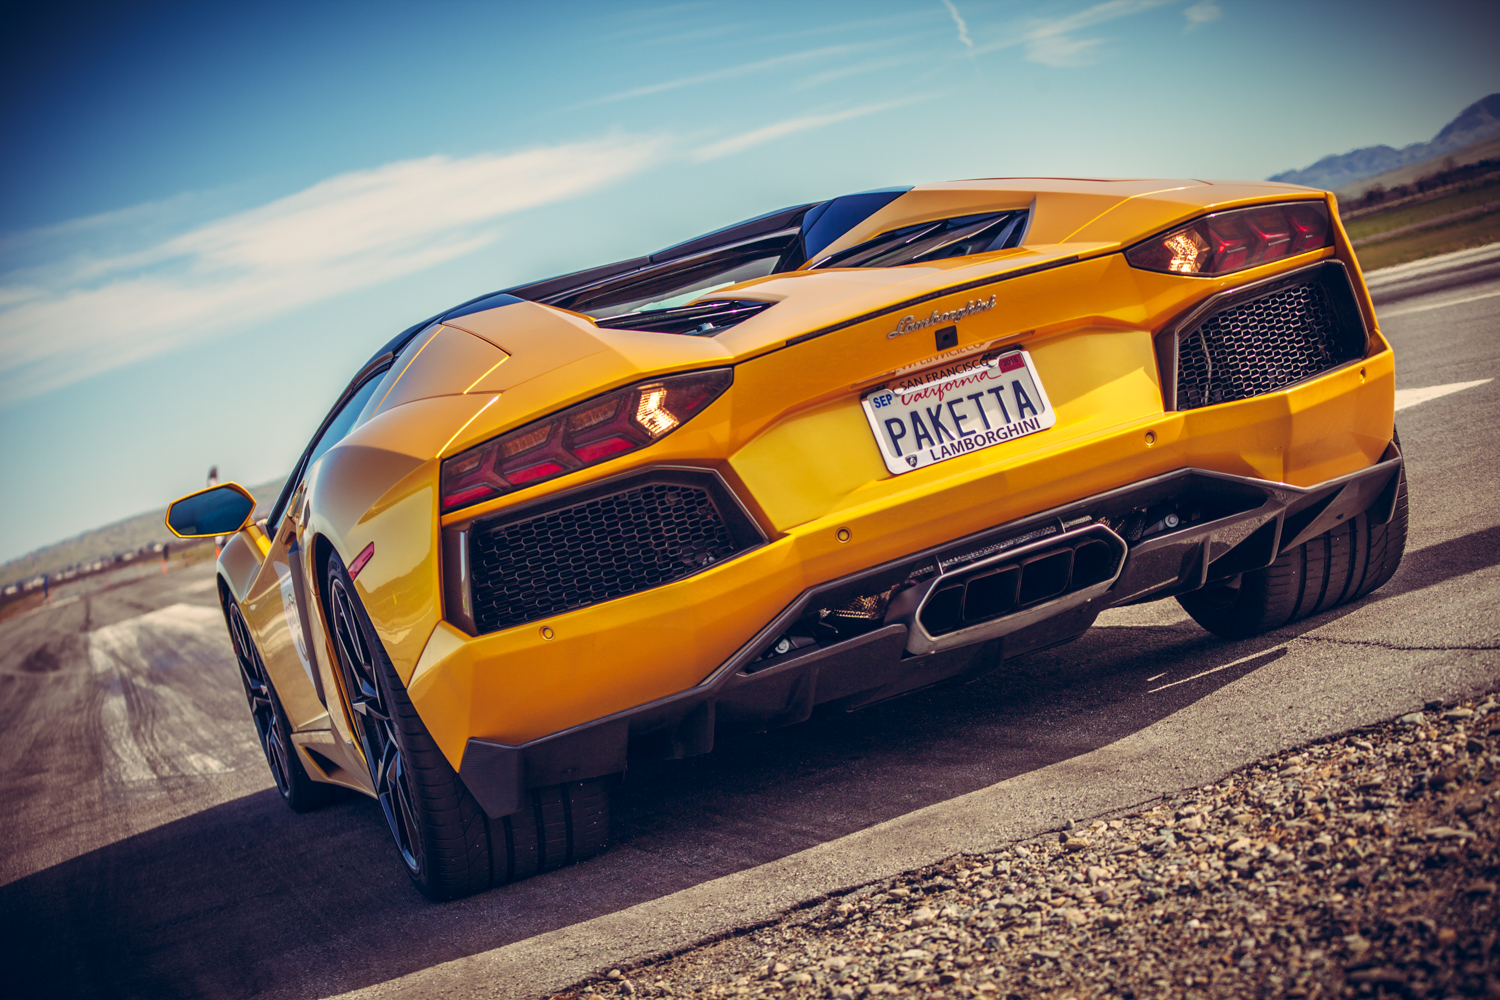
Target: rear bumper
943,620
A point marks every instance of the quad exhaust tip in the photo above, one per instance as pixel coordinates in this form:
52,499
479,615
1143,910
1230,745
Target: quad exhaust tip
1014,589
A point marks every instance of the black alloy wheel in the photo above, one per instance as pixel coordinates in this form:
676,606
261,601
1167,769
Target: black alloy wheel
272,728
375,724
451,848
262,708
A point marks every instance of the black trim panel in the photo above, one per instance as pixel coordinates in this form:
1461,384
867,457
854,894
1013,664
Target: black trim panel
1250,521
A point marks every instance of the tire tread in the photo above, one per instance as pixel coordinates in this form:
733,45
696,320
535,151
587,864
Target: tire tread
1341,565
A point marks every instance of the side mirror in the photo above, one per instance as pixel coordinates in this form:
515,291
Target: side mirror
218,510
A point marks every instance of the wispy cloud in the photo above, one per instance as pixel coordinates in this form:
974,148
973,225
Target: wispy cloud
909,24
70,320
791,126
684,36
1056,42
727,73
963,29
650,20
857,69
1204,12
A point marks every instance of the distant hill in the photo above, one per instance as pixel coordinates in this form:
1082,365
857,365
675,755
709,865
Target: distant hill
1477,122
129,535
1488,149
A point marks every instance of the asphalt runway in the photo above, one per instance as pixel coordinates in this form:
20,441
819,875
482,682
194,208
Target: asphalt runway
147,854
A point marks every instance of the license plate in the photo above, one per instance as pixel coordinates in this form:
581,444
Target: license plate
995,400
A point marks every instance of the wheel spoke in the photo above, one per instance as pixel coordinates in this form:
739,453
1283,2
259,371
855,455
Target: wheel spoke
260,697
388,762
370,709
409,816
374,724
276,753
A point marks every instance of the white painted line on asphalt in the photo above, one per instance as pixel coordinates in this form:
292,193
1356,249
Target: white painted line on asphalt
1411,397
1428,265
1235,663
1156,678
1435,305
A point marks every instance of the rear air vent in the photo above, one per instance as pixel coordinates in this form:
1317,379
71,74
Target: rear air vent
604,542
1268,337
700,319
936,240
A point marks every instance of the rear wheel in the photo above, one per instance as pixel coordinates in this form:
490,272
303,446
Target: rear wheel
448,844
1341,565
298,790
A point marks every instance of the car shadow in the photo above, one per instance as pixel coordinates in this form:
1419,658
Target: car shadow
246,898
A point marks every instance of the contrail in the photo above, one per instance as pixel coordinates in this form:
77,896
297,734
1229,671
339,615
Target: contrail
963,29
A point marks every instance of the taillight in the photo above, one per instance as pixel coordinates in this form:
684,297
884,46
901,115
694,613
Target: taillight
1237,239
609,425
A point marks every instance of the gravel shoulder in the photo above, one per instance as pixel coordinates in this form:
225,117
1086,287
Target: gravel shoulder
1360,866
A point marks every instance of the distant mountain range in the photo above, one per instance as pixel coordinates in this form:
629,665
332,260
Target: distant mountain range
1477,122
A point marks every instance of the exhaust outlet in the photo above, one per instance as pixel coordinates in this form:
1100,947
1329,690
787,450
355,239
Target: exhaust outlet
1009,591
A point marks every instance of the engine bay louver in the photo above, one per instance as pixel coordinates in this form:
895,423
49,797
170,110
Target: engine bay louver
1268,337
700,319
649,293
934,240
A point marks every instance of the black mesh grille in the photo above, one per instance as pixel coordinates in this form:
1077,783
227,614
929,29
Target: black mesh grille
1261,346
594,550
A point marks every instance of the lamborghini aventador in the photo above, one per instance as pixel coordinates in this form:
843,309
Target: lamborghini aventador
811,461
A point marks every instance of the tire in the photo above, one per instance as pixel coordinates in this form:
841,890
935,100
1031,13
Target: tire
447,844
1339,566
297,788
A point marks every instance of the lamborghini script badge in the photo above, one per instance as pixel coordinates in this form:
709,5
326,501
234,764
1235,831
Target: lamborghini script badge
910,323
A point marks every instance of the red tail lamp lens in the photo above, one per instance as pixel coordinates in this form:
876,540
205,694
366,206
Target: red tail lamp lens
530,474
609,425
1237,239
599,450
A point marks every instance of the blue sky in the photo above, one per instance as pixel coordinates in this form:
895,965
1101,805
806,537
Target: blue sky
213,213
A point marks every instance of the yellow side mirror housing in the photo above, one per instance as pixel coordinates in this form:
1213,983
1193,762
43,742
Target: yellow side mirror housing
218,510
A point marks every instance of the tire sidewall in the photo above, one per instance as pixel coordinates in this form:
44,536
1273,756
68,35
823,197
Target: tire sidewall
393,694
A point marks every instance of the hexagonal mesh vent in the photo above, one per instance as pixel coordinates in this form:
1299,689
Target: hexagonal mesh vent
592,550
1261,346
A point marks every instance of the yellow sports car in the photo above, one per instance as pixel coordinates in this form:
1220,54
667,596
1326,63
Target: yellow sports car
811,461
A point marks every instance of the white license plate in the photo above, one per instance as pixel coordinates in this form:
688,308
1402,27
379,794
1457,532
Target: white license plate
918,424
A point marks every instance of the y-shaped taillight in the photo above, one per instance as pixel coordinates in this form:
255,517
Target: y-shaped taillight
580,436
